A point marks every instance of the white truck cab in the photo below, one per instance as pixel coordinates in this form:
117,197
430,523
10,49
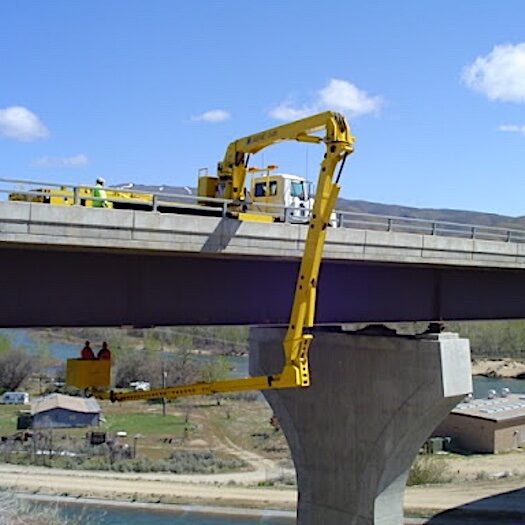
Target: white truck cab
287,198
292,197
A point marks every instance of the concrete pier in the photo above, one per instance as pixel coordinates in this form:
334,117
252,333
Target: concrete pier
356,431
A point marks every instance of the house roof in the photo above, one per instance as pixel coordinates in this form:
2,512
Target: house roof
74,404
496,409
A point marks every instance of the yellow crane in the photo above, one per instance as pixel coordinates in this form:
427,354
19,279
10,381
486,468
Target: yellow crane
231,174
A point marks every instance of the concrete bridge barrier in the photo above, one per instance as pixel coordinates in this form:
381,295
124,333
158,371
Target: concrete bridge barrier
355,432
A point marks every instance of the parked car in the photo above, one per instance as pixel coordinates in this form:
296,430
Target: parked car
15,398
140,386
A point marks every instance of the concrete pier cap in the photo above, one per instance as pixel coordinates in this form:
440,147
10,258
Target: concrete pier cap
355,432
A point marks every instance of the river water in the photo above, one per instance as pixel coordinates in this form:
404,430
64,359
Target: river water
98,515
483,384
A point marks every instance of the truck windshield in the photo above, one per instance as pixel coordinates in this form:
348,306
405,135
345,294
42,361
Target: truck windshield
298,190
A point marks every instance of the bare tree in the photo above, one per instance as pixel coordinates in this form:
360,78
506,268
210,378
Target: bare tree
16,366
144,365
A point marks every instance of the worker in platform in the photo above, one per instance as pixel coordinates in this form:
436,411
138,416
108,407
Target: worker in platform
104,352
87,352
100,198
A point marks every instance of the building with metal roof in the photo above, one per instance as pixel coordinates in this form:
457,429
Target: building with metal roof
61,411
494,424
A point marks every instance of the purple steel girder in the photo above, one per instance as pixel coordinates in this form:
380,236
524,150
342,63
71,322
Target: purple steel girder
87,288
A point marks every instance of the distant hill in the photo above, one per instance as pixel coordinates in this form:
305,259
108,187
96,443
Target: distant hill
459,216
395,210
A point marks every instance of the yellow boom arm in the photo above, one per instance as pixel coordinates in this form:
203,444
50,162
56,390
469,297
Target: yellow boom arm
232,170
339,143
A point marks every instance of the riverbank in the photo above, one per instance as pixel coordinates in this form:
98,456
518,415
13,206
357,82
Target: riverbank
163,493
144,488
499,368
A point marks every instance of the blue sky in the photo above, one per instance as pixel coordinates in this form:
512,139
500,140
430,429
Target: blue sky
434,92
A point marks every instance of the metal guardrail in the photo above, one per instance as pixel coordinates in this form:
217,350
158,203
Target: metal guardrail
344,219
390,223
71,191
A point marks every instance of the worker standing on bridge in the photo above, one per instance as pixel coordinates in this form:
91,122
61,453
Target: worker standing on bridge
100,198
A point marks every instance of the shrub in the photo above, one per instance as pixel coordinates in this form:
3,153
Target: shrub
180,462
202,462
428,471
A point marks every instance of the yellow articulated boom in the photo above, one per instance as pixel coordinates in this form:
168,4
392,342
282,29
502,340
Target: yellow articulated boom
232,174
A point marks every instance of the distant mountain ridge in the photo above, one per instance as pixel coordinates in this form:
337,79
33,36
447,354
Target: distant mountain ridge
395,210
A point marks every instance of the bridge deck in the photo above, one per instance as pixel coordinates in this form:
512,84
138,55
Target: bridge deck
75,228
94,267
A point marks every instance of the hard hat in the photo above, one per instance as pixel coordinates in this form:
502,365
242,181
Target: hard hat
100,180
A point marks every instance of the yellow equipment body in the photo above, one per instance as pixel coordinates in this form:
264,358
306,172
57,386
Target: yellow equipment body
254,217
89,373
232,176
208,186
66,197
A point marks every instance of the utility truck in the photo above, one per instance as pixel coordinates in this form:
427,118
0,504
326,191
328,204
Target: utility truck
277,196
280,197
287,198
268,196
230,183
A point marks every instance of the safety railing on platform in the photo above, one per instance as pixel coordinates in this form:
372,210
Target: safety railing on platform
128,197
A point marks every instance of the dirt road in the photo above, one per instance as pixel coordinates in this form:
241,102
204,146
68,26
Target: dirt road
439,498
168,488
164,488
262,469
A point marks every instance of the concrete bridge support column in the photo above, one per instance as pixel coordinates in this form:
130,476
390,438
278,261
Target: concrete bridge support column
356,431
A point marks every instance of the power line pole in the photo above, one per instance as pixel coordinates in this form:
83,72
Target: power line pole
164,376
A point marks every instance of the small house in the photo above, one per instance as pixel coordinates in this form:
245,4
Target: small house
61,411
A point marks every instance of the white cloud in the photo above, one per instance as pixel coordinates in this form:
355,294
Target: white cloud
500,75
76,161
338,95
213,115
285,111
348,98
512,128
17,122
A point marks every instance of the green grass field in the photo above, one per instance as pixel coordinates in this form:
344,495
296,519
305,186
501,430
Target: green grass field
8,415
147,424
